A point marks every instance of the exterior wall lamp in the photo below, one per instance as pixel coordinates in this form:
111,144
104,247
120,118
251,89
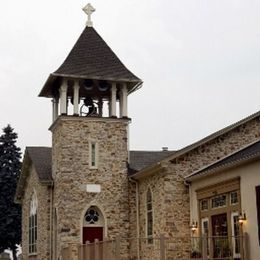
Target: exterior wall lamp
242,218
194,226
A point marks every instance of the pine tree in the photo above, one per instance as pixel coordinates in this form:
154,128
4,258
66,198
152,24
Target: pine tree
10,213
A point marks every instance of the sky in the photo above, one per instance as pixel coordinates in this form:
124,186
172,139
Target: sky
199,60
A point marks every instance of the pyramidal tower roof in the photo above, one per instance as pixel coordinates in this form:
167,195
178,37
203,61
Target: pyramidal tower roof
91,58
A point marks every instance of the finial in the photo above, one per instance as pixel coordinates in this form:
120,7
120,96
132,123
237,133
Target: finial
89,9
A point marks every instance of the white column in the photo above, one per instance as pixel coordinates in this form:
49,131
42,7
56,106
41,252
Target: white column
63,97
55,108
100,107
76,98
124,100
113,100
121,104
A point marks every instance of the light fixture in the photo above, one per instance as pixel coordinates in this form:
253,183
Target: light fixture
194,226
242,218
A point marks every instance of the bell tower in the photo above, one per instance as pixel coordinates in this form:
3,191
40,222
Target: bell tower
89,94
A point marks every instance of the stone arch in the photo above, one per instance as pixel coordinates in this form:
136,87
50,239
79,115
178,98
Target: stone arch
93,224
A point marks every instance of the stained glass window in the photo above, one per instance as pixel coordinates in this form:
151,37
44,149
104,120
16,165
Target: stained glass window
91,216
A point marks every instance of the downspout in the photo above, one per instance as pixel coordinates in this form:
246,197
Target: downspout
51,220
188,184
137,215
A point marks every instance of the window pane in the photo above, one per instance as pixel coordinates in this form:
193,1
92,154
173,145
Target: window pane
149,207
204,204
233,197
219,201
93,154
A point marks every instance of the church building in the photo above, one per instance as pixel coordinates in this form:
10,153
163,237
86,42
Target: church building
89,187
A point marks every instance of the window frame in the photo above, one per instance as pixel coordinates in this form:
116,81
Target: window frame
93,155
257,194
149,216
32,227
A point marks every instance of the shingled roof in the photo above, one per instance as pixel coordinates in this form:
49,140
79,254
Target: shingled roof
91,58
248,153
41,159
142,159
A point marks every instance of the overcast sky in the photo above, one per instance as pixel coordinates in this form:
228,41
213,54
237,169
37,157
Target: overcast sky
199,60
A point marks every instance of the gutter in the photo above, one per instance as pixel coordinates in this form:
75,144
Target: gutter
201,173
188,184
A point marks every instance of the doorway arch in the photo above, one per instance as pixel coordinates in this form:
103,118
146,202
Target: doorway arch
93,225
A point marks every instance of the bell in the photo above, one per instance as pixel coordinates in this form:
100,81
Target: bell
103,86
88,84
88,101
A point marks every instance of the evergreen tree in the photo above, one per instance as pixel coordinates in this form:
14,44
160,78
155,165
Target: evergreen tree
10,213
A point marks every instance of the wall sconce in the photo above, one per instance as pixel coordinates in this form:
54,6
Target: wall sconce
242,218
194,226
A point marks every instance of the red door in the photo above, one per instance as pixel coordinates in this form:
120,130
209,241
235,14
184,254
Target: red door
92,233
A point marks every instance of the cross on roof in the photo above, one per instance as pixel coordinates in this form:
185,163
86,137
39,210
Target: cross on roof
89,9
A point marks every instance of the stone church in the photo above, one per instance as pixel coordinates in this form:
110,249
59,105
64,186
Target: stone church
89,186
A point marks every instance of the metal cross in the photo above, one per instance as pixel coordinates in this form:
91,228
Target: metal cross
89,9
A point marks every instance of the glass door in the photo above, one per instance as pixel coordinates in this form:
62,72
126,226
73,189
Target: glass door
220,236
235,235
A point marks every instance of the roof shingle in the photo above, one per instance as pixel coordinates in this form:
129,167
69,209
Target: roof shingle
41,159
91,58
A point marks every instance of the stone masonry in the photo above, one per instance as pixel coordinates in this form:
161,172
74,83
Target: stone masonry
171,196
43,217
71,173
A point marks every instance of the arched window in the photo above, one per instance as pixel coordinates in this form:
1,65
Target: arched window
149,217
33,224
93,225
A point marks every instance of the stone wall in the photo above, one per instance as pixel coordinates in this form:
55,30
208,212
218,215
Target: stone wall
71,173
43,217
171,196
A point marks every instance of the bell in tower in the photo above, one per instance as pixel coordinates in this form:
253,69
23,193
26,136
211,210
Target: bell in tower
90,143
90,76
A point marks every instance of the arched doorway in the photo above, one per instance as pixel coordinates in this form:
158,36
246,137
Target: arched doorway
93,225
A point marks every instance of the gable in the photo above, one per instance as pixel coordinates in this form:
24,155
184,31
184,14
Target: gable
38,158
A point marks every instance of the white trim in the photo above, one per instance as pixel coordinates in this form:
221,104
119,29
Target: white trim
124,100
113,100
234,214
76,98
206,219
63,97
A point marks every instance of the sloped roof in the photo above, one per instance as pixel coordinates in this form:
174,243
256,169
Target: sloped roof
141,159
250,152
91,58
203,141
41,159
